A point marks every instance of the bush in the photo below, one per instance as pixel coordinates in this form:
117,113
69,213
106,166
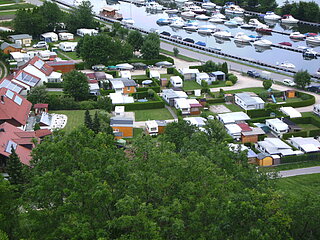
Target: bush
229,83
305,97
264,95
143,105
215,82
295,134
232,78
314,133
54,85
87,105
148,72
215,100
80,66
170,70
104,92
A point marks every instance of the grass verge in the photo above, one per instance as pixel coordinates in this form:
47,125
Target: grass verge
297,165
182,57
152,114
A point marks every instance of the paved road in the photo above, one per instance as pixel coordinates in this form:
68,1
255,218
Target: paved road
35,2
300,171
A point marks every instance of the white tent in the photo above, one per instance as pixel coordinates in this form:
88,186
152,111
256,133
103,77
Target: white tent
124,66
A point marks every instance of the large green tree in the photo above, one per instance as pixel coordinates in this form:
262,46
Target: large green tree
302,79
151,46
14,168
76,85
135,39
38,95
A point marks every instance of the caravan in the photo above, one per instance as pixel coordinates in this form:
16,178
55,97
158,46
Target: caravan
66,36
83,31
68,46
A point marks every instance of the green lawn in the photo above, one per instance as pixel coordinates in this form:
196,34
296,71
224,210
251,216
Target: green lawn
182,57
233,107
72,55
152,114
7,13
75,118
167,76
307,127
191,85
256,90
221,84
290,166
139,77
300,184
16,6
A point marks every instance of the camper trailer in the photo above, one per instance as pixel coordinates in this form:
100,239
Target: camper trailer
176,81
66,36
68,46
83,31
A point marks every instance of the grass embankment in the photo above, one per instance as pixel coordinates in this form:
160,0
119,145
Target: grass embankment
152,114
182,57
16,6
297,165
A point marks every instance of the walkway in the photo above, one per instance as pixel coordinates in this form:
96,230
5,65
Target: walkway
174,115
300,171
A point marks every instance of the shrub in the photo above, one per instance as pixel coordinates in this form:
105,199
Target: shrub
232,78
87,105
215,100
80,66
229,83
264,95
148,72
301,158
170,70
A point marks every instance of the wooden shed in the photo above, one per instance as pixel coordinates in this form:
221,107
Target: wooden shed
264,159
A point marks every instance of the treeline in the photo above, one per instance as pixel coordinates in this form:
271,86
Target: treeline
306,11
185,184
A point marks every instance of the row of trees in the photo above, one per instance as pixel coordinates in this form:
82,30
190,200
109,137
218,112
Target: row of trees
307,11
185,184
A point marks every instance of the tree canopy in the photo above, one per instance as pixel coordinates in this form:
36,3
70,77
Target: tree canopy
76,85
302,79
151,46
38,94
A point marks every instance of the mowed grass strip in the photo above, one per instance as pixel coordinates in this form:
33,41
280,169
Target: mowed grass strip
16,6
152,114
7,13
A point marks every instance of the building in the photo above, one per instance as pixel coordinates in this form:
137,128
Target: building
234,130
264,159
154,74
306,145
218,75
22,39
111,12
204,77
291,112
47,55
233,117
316,109
248,102
123,85
119,98
252,135
14,109
195,106
183,105
155,127
8,48
84,31
40,108
49,37
275,146
277,127
22,142
176,81
68,46
122,127
66,36
251,155
189,74
169,95
62,66
94,88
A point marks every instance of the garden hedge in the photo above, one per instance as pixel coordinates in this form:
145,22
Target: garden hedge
301,158
53,85
143,105
295,134
302,103
215,100
258,113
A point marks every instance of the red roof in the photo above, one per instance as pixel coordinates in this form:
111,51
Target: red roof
92,81
43,132
195,105
91,76
244,127
11,108
40,105
20,138
46,69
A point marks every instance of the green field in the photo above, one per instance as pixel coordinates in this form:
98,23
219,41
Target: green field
307,127
16,6
290,166
182,57
75,118
152,114
8,13
191,85
300,184
233,107
72,55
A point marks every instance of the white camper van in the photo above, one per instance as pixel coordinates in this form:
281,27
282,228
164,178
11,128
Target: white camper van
68,46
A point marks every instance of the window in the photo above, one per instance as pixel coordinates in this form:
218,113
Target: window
128,88
153,129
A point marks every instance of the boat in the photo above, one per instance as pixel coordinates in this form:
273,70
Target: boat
234,9
210,26
255,22
286,64
191,28
262,43
177,24
171,11
239,20
288,19
255,37
216,20
197,10
247,26
192,22
222,34
231,23
218,15
77,2
264,30
180,1
154,6
109,12
208,5
297,36
163,21
202,17
271,16
200,43
242,38
128,21
311,34
313,40
310,53
285,44
204,30
188,14
215,48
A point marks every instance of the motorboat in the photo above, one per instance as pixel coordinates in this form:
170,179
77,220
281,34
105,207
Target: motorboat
311,34
222,34
255,22
231,23
242,44
271,16
310,53
297,36
188,14
77,2
200,43
288,19
154,6
202,17
192,22
171,11
234,9
163,21
197,10
262,43
177,24
255,37
216,20
173,19
191,28
286,64
313,40
208,5
264,30
210,26
242,38
128,21
247,26
288,44
204,30
239,20
218,15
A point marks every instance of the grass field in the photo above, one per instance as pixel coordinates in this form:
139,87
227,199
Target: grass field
300,184
182,57
75,118
256,90
72,55
233,107
290,166
16,6
152,114
307,127
8,13
191,85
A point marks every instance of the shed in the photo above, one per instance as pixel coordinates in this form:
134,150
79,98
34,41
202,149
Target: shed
264,159
219,75
154,74
8,48
189,74
22,39
291,112
176,81
252,135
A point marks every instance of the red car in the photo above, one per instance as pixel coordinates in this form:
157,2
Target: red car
286,44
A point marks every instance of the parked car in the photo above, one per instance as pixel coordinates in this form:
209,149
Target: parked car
176,37
41,44
315,89
188,40
289,82
165,33
253,73
203,44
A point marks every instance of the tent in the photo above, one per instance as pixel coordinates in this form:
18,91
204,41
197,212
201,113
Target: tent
124,66
164,64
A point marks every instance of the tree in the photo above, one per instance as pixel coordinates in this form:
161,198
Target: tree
52,15
81,17
205,86
215,130
302,79
135,39
87,120
175,52
96,123
233,78
209,66
267,84
76,85
224,68
14,169
151,46
38,94
104,103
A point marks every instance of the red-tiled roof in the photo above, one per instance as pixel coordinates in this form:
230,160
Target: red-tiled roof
40,105
244,127
46,69
43,132
91,76
10,109
18,136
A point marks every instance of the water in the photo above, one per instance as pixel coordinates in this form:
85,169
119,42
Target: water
272,56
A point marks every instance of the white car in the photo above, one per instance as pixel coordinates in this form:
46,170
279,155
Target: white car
288,82
41,44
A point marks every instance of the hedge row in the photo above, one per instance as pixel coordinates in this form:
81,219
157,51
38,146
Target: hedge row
143,105
161,58
175,72
301,158
215,100
302,103
258,113
155,88
53,85
259,120
295,134
304,120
